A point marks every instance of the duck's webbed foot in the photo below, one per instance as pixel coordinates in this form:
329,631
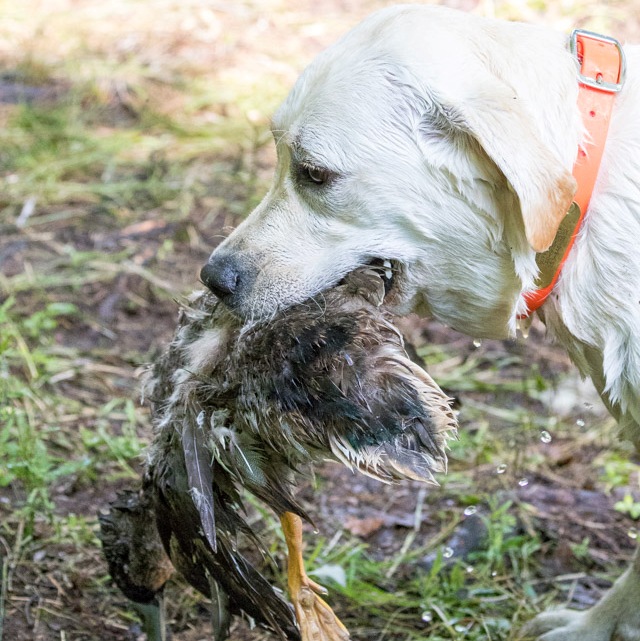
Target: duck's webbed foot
315,617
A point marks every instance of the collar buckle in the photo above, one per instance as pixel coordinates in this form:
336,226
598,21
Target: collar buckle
597,81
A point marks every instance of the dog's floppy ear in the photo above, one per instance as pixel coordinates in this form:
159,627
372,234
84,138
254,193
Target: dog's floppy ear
494,116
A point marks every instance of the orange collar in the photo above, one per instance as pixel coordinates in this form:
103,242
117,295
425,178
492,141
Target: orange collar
601,76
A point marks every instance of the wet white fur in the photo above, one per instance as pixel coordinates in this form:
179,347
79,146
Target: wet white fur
444,127
391,109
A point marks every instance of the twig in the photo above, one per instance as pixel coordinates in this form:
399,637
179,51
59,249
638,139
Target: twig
444,620
410,538
27,211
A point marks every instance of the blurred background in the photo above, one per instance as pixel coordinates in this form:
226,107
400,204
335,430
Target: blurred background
133,137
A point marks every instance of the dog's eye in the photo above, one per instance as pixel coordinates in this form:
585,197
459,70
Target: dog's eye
315,175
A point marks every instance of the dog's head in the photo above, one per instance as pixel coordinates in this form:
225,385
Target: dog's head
416,140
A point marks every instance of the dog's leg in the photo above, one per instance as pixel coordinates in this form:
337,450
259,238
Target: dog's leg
616,617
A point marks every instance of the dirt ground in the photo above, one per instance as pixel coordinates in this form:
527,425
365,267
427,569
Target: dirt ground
55,585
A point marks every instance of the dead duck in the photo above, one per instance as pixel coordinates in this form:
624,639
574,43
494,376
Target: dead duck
252,406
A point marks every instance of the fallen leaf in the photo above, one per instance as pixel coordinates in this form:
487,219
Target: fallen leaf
363,527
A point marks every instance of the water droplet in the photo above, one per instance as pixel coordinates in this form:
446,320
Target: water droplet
40,556
545,437
523,482
447,553
427,616
580,423
469,569
632,533
494,573
460,628
200,419
470,510
316,531
501,469
477,342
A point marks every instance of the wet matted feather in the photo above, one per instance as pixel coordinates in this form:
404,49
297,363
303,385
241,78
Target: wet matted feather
250,406
137,560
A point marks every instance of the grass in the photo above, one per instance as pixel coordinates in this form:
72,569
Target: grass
42,435
474,599
145,142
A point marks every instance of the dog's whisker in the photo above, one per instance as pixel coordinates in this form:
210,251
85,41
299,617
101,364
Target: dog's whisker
322,307
278,139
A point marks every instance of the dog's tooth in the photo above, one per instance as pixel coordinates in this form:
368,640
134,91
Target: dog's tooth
388,272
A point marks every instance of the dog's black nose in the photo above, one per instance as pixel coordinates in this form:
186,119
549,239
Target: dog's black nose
221,275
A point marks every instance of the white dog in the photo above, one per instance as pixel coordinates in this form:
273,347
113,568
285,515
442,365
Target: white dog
444,143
